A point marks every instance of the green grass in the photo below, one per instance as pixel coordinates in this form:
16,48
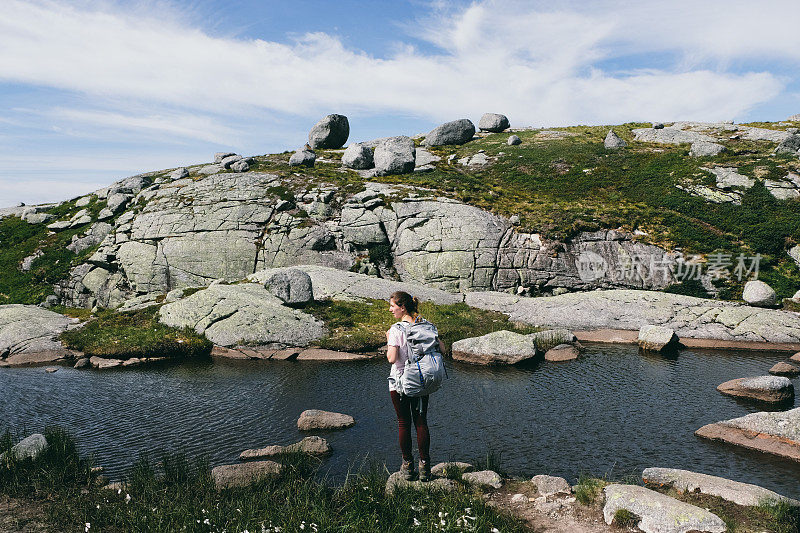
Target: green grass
624,518
178,494
134,334
589,490
361,326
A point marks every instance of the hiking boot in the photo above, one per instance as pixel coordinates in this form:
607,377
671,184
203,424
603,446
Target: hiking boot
424,471
407,471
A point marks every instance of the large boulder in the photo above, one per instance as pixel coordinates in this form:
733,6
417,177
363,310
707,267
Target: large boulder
776,433
358,156
303,157
657,338
658,512
759,294
28,448
241,314
790,145
395,155
29,335
330,132
241,475
705,149
732,491
613,141
774,389
293,286
312,445
312,419
499,347
455,132
493,122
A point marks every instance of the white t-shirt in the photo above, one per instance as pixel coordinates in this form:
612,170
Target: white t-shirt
397,337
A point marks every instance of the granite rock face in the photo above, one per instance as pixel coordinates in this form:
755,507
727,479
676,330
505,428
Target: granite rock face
330,133
499,347
493,122
776,433
455,132
705,149
246,313
657,338
658,512
774,389
732,491
29,335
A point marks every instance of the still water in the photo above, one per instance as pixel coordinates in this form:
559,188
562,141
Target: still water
613,412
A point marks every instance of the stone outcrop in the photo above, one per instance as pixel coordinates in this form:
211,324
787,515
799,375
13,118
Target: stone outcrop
705,149
513,140
690,317
292,286
732,491
303,158
776,433
493,122
657,338
241,475
442,469
759,294
790,145
773,389
312,419
728,177
499,347
329,133
241,314
358,156
549,485
454,132
484,478
613,141
29,335
394,155
312,445
658,513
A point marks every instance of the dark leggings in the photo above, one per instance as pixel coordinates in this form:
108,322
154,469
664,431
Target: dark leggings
407,411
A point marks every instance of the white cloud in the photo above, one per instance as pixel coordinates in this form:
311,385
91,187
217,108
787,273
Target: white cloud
532,61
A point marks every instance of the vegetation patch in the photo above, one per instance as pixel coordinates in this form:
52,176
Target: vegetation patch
134,334
361,326
589,489
178,494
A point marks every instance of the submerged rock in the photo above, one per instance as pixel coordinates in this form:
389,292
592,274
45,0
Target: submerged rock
784,369
658,512
241,475
562,352
498,347
312,445
773,389
316,419
732,491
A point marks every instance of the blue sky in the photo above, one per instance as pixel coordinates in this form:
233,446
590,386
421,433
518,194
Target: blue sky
92,91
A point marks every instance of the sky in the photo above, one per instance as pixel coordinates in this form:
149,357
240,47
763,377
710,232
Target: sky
92,91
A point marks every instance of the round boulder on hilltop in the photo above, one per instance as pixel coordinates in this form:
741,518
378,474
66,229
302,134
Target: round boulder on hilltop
455,132
493,122
759,294
395,155
330,132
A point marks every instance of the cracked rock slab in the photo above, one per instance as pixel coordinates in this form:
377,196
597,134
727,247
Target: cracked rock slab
29,335
658,512
246,313
776,433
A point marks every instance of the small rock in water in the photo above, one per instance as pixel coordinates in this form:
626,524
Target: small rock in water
562,352
316,419
51,369
773,389
83,362
785,369
657,338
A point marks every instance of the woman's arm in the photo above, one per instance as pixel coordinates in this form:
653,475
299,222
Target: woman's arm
391,354
441,347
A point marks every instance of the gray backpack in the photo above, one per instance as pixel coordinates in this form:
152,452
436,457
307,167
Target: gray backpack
424,370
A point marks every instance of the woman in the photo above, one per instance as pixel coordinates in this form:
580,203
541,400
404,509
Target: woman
404,308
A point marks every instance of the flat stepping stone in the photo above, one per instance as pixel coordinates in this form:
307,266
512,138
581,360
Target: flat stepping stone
785,369
101,363
315,419
548,485
658,512
776,433
442,468
772,389
496,348
241,475
439,483
795,357
732,491
484,478
312,445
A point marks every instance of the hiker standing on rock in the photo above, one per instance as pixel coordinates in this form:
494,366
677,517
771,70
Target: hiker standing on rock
411,404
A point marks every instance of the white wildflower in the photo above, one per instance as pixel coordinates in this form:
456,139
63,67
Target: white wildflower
417,523
127,498
208,522
87,527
